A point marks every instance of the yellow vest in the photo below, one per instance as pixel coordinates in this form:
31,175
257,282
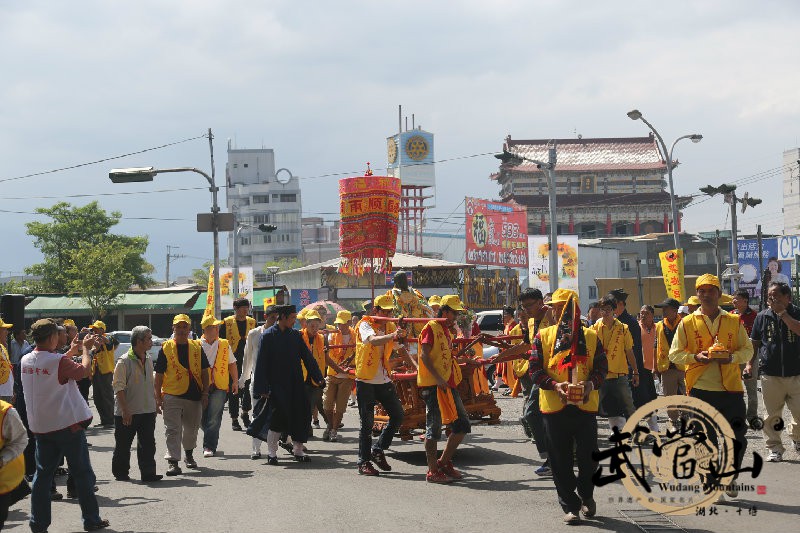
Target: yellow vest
5,365
549,400
368,356
317,350
232,331
521,366
340,354
12,472
699,338
441,357
218,374
176,378
104,359
614,341
662,349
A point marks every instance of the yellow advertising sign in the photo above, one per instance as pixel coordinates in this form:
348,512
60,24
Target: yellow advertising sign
269,300
210,294
672,270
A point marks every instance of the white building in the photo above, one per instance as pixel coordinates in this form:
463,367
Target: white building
791,191
259,194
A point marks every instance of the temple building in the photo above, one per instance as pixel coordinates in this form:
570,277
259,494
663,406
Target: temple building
604,187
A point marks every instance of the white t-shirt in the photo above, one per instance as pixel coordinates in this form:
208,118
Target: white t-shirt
211,351
381,376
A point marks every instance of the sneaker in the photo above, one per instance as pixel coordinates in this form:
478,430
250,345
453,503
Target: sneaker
272,461
589,508
366,469
235,425
448,469
334,436
572,519
174,469
326,435
55,495
316,424
123,477
340,426
208,453
351,403
152,478
438,477
286,446
775,457
102,524
543,470
189,460
380,460
255,456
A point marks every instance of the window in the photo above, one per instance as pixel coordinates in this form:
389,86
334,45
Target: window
288,198
587,184
260,219
244,241
261,199
245,165
592,292
625,265
236,165
701,258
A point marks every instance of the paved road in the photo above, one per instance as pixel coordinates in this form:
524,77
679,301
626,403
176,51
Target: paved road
499,493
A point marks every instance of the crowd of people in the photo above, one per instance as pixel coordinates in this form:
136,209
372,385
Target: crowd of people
279,380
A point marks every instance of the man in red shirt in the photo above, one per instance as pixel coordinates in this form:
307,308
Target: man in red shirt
741,304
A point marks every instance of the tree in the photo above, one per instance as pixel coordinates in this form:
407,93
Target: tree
102,285
284,263
73,228
200,275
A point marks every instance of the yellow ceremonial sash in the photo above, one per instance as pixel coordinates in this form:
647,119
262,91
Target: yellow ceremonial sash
699,338
317,350
613,341
662,347
367,355
218,374
11,473
232,331
176,378
441,357
5,365
549,400
340,354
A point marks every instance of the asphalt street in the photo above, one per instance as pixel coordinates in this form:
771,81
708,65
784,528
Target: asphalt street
500,491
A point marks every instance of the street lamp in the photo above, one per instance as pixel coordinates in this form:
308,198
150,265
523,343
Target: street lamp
729,191
273,270
515,159
695,138
142,174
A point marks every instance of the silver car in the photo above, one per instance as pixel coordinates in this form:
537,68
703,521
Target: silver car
124,339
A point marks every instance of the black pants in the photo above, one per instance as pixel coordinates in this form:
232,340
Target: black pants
104,397
142,427
732,407
83,386
533,416
243,395
567,430
368,395
10,498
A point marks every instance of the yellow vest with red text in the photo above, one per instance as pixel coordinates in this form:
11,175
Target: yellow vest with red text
699,338
662,349
441,358
5,365
367,355
317,350
11,473
614,343
176,378
521,366
218,374
549,400
232,331
340,354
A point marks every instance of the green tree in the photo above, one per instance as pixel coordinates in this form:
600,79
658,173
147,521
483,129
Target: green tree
284,263
200,275
72,228
106,282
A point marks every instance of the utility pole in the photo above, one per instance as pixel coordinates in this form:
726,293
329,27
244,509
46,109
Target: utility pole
171,256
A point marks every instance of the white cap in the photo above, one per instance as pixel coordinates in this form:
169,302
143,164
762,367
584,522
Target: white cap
684,309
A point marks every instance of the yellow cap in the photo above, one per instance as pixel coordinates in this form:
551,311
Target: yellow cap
99,325
68,322
452,301
707,279
5,325
384,301
312,315
693,300
725,299
209,320
343,317
181,318
435,300
302,314
563,295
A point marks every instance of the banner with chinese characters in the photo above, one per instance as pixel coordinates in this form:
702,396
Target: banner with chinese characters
539,262
497,233
774,268
210,294
226,296
370,209
490,289
672,270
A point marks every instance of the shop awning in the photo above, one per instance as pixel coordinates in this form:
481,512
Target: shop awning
64,305
258,299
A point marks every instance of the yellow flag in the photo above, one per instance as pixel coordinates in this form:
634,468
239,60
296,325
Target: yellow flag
672,270
210,294
269,300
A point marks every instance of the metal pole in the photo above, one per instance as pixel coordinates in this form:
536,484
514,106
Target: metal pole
236,231
760,269
717,258
673,204
167,275
735,245
639,281
551,185
215,225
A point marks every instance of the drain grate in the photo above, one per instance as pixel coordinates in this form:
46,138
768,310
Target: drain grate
650,522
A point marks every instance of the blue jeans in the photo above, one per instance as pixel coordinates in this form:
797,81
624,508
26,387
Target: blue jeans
50,448
368,395
212,418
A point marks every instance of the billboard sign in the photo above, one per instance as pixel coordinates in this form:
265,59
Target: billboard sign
539,262
226,286
497,233
775,259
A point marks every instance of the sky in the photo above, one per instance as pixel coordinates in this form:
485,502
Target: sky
320,83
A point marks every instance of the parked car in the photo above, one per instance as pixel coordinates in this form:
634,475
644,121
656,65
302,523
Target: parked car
490,322
124,339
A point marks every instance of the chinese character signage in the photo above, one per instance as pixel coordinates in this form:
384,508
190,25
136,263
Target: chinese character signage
539,262
778,269
497,233
303,297
672,270
226,295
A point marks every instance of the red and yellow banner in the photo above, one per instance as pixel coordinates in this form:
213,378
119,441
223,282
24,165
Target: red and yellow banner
210,294
672,270
497,233
370,210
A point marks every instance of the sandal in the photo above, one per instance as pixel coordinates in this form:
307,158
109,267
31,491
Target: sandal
302,458
102,524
